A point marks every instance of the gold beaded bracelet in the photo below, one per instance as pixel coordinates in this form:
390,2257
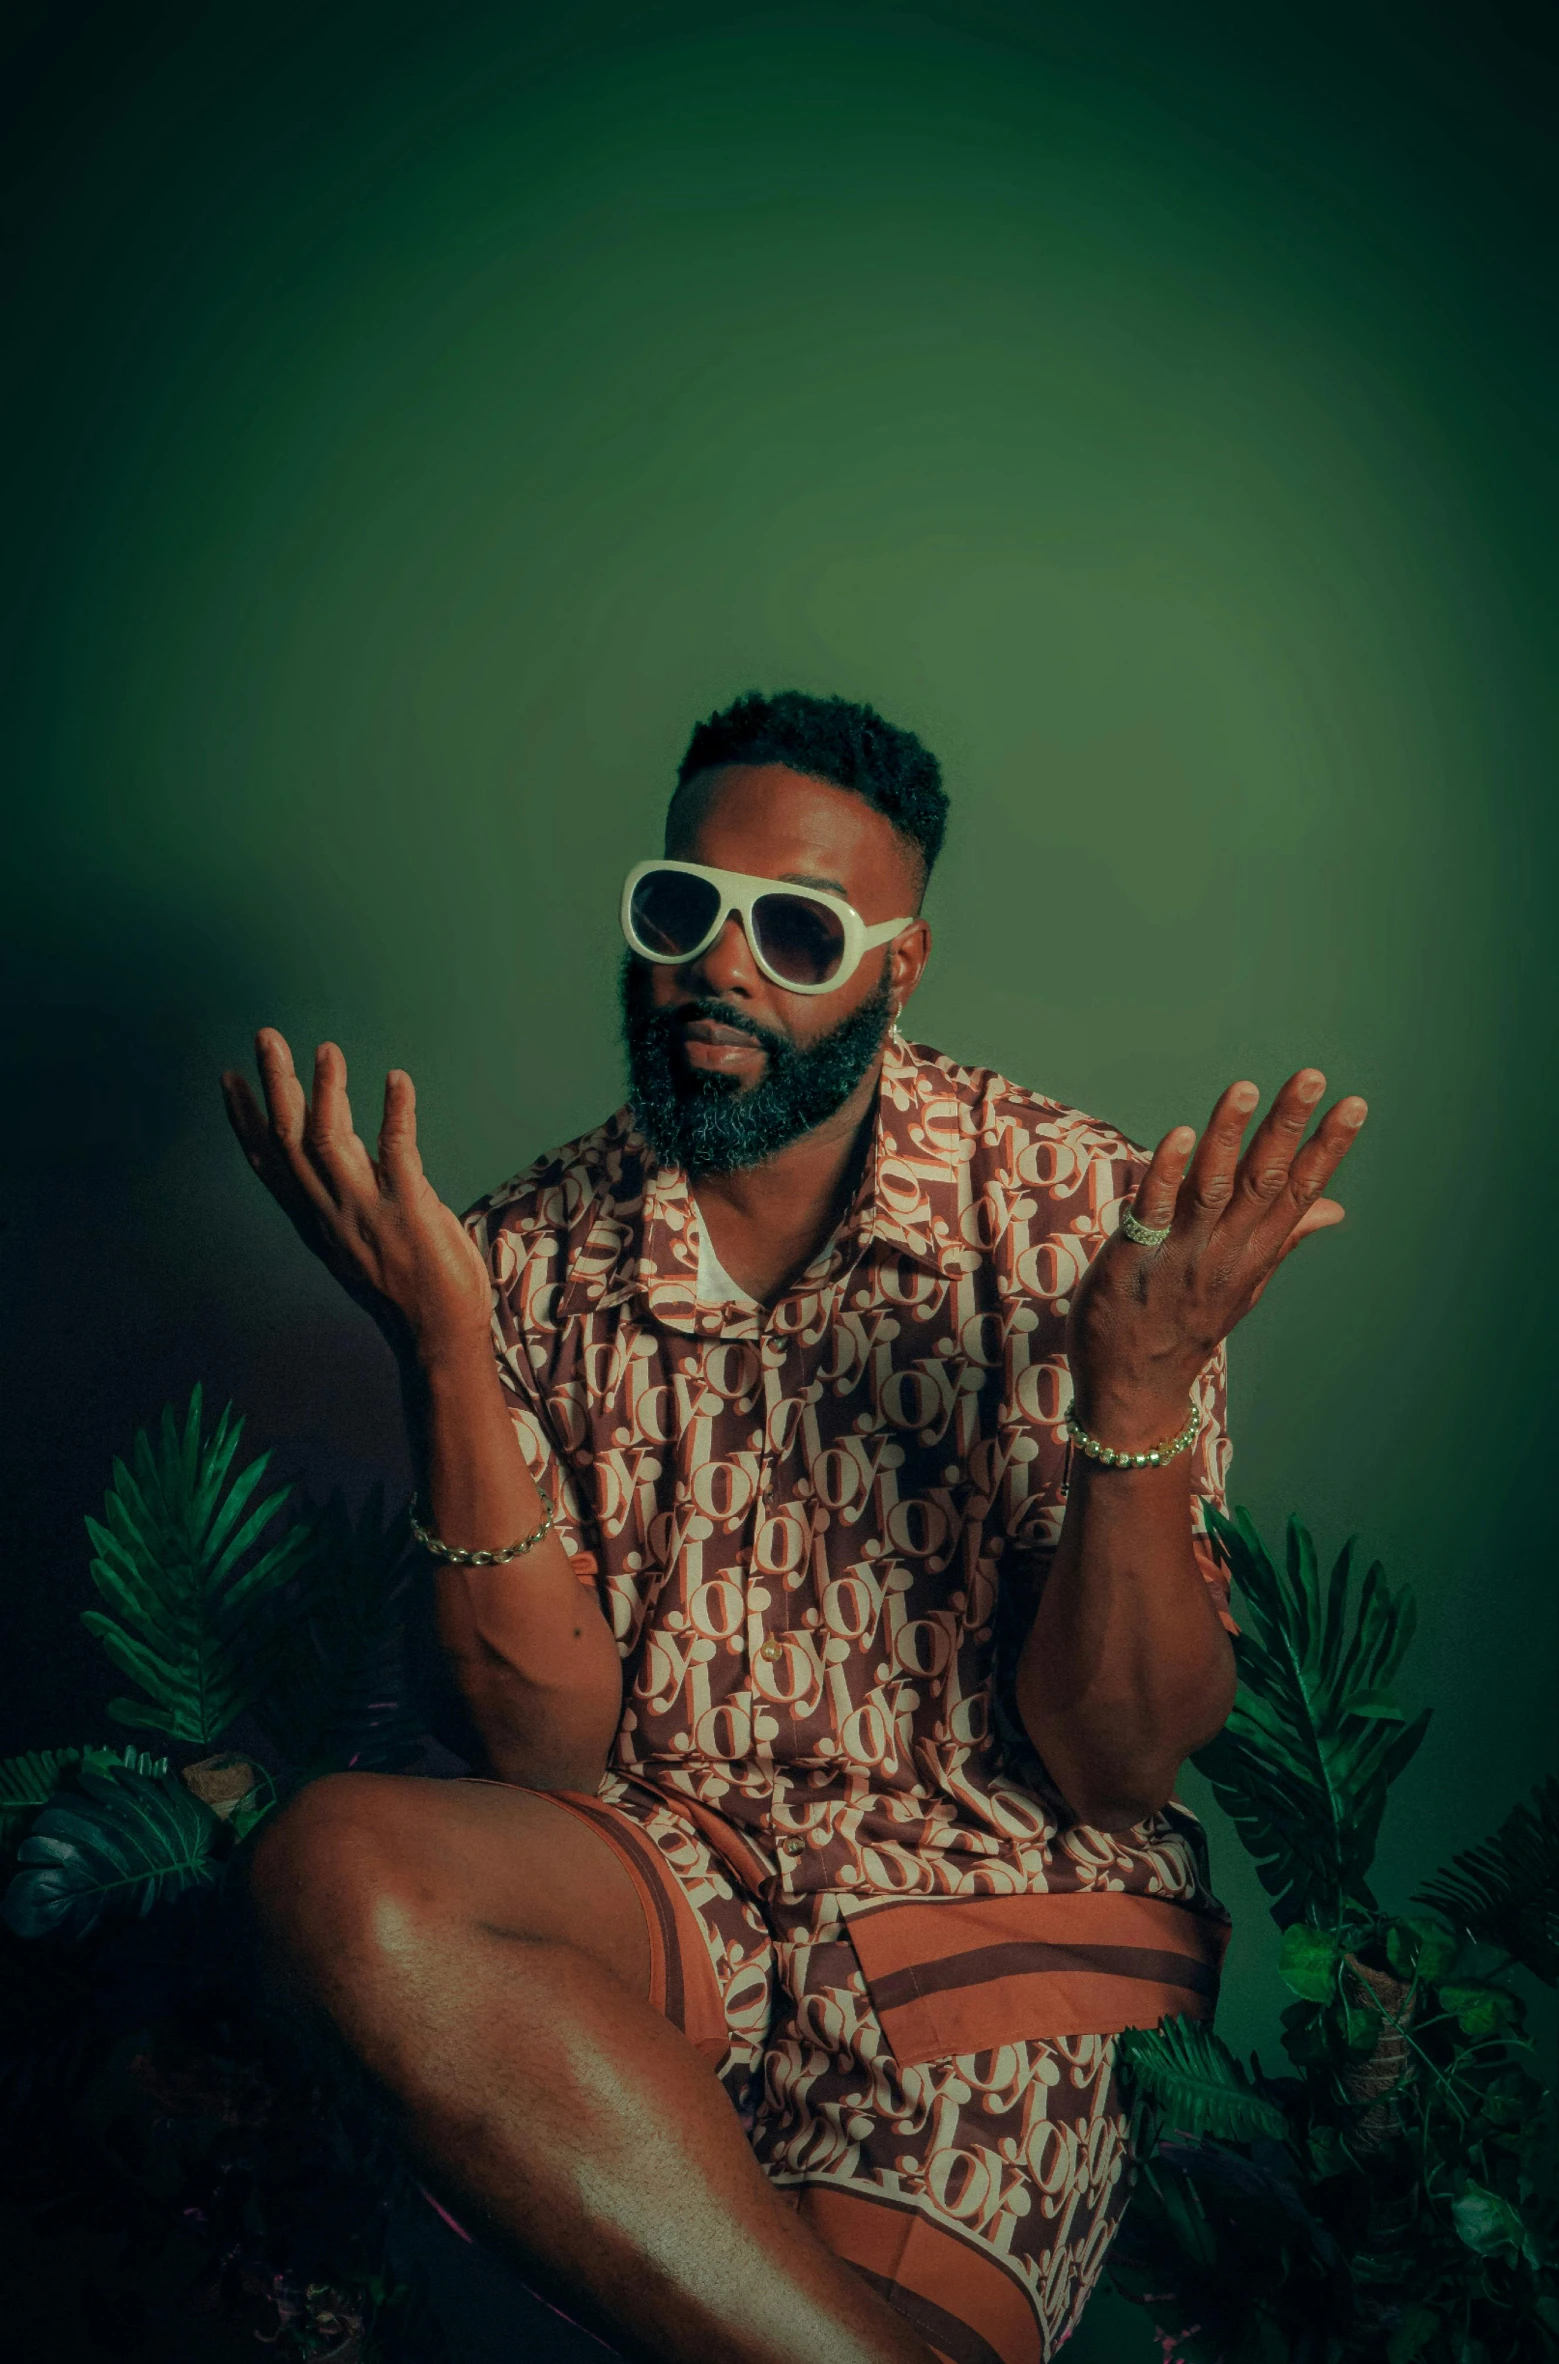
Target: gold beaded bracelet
1154,1458
479,1559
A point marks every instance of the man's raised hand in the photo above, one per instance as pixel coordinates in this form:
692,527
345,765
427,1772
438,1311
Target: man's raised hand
1146,1320
375,1222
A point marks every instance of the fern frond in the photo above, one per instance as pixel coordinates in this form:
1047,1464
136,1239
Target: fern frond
1198,2085
183,1566
1506,1891
1304,1764
27,1783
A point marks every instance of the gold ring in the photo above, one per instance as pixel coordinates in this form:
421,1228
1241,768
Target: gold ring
1139,1233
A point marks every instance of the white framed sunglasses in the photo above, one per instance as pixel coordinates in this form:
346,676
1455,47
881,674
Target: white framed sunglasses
801,937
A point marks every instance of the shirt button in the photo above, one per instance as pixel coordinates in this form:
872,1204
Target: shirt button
772,1649
793,1846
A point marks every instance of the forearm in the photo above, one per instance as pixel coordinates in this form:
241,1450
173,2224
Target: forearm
1127,1668
527,1642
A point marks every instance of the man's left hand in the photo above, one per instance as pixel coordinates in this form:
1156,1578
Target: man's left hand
1146,1320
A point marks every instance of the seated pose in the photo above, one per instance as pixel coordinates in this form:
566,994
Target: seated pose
814,1457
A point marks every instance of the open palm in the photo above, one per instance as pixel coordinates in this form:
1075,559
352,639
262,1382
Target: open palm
374,1221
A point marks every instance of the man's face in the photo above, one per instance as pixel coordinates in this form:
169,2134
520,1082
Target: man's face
727,1067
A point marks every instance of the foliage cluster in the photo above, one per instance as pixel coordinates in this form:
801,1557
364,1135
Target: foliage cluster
1390,2199
145,2096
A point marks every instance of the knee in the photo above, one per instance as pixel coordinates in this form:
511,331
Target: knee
328,1864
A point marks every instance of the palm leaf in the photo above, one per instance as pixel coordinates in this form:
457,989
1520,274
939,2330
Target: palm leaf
342,1694
180,1563
1306,1760
120,1842
1506,1891
1197,2083
28,1782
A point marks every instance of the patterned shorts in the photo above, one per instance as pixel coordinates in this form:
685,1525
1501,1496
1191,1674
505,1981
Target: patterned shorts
977,2192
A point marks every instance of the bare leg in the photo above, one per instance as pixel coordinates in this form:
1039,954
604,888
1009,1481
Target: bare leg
483,1955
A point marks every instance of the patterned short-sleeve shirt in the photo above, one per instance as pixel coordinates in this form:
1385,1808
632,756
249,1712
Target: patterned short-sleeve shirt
817,1527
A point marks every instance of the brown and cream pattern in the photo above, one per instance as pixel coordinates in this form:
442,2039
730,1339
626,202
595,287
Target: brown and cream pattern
818,1529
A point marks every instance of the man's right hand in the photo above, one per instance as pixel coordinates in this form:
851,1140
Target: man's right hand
376,1222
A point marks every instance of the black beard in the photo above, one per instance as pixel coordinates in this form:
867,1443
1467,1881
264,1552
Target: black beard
707,1124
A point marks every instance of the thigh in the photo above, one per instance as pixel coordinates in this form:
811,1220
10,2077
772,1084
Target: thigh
514,1862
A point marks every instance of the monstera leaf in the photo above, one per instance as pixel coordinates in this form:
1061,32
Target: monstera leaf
341,1695
1304,1764
180,1563
28,1782
1196,2082
121,1841
1506,1892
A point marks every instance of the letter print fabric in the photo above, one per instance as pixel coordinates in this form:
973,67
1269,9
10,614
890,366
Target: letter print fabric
818,1530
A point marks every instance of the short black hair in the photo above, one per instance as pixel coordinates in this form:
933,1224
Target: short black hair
830,739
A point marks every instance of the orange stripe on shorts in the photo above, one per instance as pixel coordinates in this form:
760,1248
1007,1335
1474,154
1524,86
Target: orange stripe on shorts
683,1985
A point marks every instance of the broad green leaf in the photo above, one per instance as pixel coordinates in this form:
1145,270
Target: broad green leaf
1308,1962
1481,2009
1328,2155
1421,1949
1486,2222
120,1843
1309,2038
1357,2029
1509,2098
1304,1765
1412,2335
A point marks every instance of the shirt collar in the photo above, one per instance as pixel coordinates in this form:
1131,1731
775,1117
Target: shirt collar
911,1200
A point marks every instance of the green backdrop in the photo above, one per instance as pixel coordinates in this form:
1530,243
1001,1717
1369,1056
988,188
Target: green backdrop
421,415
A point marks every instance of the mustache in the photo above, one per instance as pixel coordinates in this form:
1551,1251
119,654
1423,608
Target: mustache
666,1024
701,1121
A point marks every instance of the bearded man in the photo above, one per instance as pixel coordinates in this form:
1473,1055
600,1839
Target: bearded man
814,1457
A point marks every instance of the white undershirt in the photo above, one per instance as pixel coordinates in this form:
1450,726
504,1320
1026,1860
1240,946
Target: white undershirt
715,1285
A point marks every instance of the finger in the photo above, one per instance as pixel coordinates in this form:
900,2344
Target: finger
328,1136
287,1111
1263,1172
1308,1174
1325,1215
399,1160
286,1107
267,1157
1154,1204
1209,1182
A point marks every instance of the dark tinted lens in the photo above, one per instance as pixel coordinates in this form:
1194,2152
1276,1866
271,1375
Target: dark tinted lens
802,940
672,913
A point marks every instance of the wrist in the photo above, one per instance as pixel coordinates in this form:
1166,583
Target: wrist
1131,1420
451,1355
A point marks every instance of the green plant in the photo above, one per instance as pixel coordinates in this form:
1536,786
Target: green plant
28,1782
126,1834
266,1640
178,1562
1391,2201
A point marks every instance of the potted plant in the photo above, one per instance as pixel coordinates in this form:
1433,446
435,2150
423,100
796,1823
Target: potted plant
1390,2196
